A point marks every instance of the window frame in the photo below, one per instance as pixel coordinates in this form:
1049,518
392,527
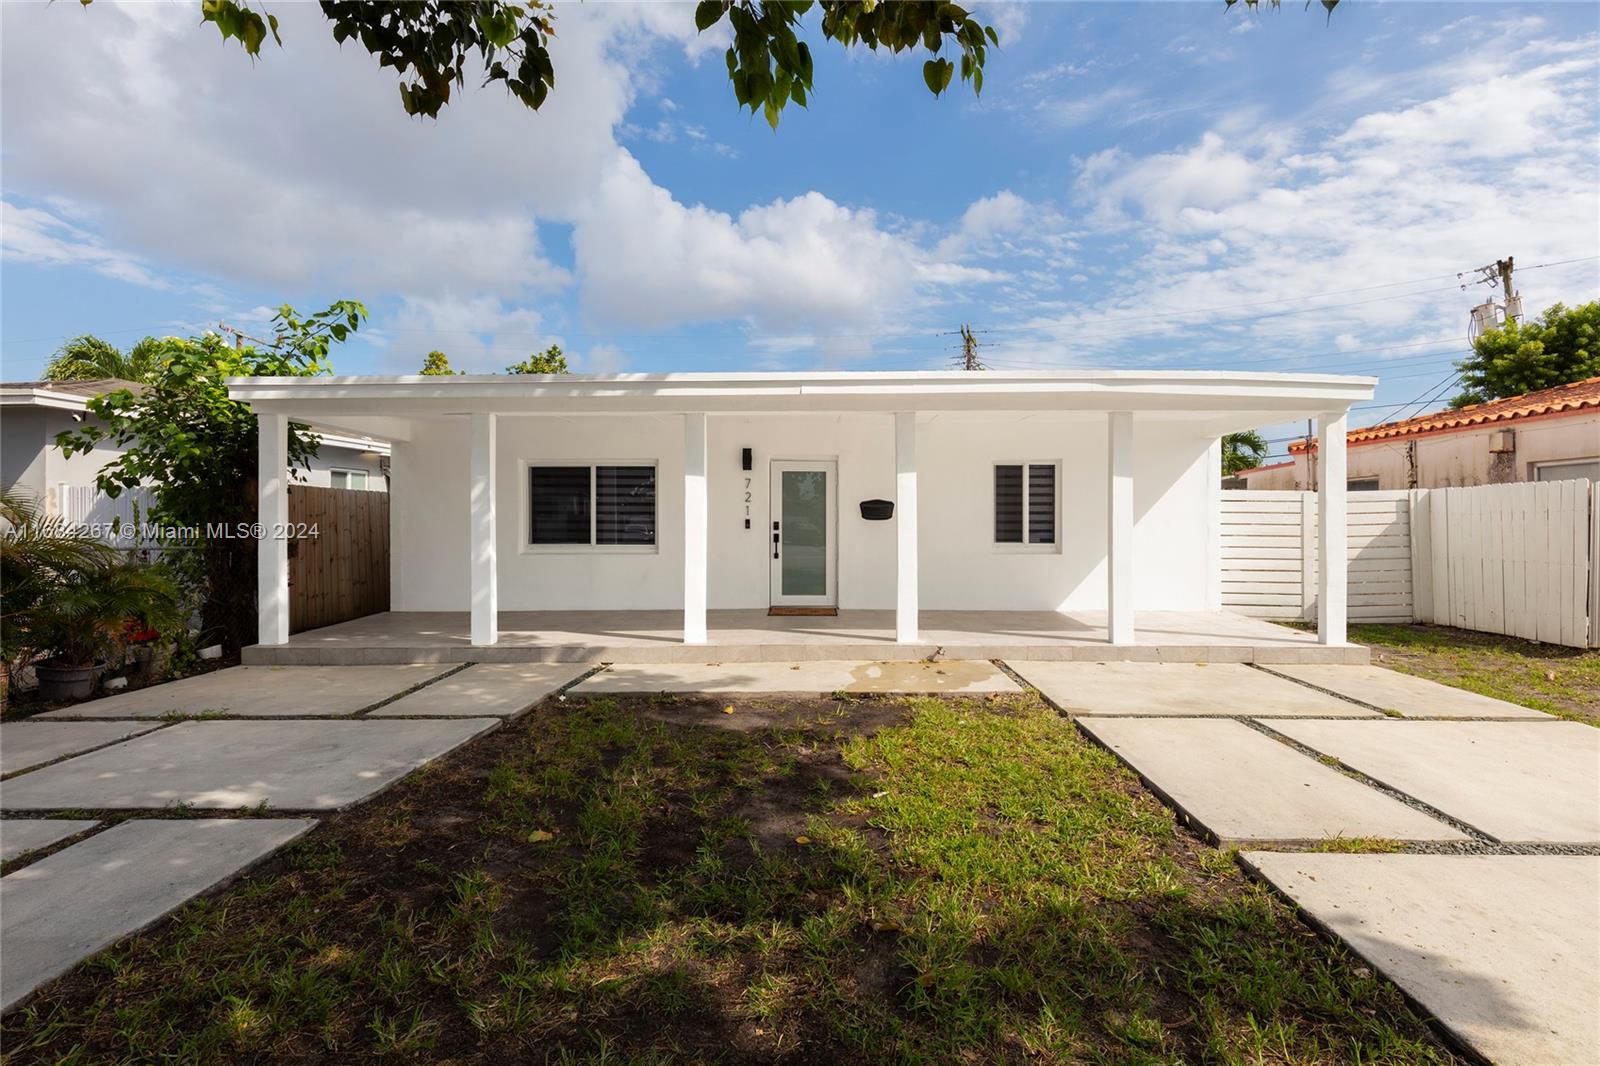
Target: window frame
1024,547
348,472
525,467
1359,484
1555,464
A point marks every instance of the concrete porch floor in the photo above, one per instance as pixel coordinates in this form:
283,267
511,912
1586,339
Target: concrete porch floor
753,635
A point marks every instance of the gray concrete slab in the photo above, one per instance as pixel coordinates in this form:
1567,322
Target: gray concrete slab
1241,785
1413,697
1176,689
1517,781
21,835
262,692
69,905
1503,950
306,765
31,743
502,689
808,677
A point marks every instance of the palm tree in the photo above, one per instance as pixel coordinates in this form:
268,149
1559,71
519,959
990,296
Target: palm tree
1241,451
87,358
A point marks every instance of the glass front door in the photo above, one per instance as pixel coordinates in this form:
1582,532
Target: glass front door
804,517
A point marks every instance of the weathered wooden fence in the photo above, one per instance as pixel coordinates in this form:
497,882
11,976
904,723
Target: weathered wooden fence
1269,555
1515,559
343,571
1521,560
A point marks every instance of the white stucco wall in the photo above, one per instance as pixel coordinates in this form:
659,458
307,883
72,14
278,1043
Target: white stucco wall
961,568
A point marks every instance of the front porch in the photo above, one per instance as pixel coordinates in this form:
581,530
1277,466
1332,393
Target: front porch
752,635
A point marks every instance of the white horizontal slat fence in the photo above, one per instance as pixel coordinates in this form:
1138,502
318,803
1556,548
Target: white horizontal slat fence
1521,560
1269,555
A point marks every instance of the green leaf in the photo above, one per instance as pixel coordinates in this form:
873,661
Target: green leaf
707,14
930,74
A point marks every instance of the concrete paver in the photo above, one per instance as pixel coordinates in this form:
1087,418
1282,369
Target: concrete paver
809,678
1242,785
19,835
504,689
262,691
1504,950
69,905
1413,697
305,765
1517,781
25,744
1174,689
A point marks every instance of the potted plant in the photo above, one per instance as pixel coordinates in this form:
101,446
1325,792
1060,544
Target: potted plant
69,599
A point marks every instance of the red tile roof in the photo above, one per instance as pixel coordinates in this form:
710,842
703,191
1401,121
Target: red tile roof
1572,397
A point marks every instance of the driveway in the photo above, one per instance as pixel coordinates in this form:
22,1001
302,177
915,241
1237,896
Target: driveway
1450,839
119,810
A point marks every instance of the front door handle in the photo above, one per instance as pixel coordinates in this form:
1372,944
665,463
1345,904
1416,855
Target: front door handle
774,543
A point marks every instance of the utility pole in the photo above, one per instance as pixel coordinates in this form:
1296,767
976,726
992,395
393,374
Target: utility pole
969,350
1504,267
1490,315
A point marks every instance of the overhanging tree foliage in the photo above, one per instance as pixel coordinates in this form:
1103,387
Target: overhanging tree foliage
549,361
437,364
430,43
197,448
1560,346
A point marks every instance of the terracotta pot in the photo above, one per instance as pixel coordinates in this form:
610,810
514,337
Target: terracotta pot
65,682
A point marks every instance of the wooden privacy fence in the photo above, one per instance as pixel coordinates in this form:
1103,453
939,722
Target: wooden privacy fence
1522,560
343,571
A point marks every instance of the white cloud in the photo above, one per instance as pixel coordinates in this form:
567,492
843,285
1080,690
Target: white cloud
301,169
34,235
1437,184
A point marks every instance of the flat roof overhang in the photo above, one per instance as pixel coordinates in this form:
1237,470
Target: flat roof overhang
1231,400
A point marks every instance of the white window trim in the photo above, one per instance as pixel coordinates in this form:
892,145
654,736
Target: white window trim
524,518
348,472
1556,464
1025,548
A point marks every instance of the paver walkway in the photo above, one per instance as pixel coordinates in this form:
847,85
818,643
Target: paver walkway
1241,785
262,692
71,904
1412,697
1503,950
24,745
805,678
278,746
18,836
1516,781
1171,689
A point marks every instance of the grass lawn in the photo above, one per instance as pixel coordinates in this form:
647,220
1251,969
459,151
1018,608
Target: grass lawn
659,880
1546,677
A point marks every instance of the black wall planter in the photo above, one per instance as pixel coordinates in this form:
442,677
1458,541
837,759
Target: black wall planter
877,510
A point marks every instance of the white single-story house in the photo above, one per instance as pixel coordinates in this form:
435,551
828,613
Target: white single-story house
33,413
1079,493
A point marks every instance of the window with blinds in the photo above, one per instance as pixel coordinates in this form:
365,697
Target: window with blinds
592,505
1025,504
624,505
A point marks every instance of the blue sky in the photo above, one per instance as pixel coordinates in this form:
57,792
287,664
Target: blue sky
1139,185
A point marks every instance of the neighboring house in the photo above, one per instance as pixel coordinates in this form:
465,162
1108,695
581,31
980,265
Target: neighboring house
32,413
1549,435
1091,490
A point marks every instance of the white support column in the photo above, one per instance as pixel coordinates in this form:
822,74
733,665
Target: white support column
694,529
1333,562
1119,527
272,549
485,571
905,521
